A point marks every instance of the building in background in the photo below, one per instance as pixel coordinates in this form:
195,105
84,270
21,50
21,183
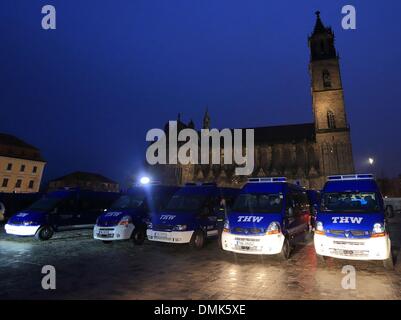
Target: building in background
301,152
21,165
390,187
84,180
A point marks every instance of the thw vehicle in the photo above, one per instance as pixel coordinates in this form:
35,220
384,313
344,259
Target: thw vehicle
350,222
128,216
269,217
60,210
194,213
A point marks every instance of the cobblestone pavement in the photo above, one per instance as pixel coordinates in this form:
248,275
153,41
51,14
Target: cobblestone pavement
89,269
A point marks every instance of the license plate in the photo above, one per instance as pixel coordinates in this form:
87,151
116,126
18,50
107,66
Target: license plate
245,243
161,235
105,232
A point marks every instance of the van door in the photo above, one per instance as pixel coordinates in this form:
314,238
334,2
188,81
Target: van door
63,215
290,220
302,215
208,218
89,209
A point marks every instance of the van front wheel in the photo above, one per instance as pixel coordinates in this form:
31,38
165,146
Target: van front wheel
138,236
197,240
44,233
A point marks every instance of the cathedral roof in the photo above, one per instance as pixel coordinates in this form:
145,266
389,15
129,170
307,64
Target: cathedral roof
285,134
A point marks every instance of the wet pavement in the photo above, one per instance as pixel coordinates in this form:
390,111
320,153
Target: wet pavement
89,269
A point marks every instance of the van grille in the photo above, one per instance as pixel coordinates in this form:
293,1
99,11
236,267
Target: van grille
162,227
354,233
240,230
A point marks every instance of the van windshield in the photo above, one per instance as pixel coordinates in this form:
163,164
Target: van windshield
131,201
46,203
186,202
259,202
350,202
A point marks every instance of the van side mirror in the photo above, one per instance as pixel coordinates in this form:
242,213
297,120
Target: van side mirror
290,212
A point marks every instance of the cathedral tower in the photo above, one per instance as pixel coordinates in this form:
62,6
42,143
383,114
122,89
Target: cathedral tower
331,125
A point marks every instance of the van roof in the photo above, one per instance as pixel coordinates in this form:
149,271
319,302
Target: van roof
271,187
151,188
367,185
206,189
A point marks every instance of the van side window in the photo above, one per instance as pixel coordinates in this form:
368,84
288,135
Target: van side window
67,205
290,205
93,204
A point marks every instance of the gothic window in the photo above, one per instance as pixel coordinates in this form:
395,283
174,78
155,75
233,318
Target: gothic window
326,79
331,121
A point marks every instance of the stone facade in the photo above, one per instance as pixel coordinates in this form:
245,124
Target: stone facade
306,152
21,165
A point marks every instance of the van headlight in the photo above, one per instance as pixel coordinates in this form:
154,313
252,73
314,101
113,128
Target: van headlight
226,227
319,228
379,230
149,225
180,227
273,228
125,221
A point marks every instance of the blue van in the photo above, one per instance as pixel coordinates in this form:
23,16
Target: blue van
195,213
269,217
350,222
128,216
60,210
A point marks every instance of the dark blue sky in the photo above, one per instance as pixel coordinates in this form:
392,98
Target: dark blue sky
87,93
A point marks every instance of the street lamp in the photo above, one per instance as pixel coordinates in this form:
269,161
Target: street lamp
371,161
144,180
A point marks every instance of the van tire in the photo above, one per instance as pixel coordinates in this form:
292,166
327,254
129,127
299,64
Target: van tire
388,264
44,233
285,250
138,236
389,212
197,240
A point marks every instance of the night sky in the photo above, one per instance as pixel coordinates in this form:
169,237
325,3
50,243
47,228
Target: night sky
87,93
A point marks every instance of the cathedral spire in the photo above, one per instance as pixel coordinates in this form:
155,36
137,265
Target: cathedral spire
319,26
321,41
206,120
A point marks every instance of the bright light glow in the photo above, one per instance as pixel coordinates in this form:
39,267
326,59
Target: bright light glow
145,180
371,161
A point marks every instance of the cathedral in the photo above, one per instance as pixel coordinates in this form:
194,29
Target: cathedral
304,153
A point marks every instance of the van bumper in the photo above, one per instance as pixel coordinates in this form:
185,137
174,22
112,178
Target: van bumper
113,233
265,244
171,237
21,230
353,249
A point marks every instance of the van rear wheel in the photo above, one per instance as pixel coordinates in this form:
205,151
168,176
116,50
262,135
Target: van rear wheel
44,233
138,236
197,240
